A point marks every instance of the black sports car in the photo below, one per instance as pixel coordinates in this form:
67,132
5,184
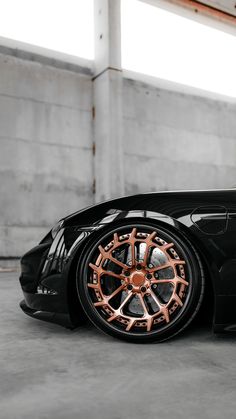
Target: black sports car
138,267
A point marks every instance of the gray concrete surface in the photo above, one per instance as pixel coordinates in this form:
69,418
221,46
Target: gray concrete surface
46,158
225,5
175,140
49,372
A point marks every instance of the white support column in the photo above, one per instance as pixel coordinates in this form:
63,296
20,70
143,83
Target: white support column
107,82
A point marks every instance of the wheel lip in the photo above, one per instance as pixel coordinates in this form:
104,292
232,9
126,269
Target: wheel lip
127,335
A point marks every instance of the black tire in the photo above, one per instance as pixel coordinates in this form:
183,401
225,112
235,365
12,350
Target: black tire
137,256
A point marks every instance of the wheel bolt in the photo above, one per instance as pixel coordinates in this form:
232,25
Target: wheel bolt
150,265
129,287
149,276
139,267
154,286
127,273
143,289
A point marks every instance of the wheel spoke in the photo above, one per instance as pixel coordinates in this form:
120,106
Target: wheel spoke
149,323
117,262
94,286
154,297
163,309
99,303
159,268
148,317
113,317
177,299
107,255
149,243
100,271
131,323
165,312
178,262
143,305
106,297
116,238
176,280
119,289
127,298
132,241
167,246
95,267
171,263
110,273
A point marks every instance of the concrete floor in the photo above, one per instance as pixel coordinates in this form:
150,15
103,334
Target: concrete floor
47,371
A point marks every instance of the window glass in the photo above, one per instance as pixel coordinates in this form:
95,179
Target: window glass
61,25
163,44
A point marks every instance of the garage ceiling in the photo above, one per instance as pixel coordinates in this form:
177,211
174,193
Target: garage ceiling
228,6
222,10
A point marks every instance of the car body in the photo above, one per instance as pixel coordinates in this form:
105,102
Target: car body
207,219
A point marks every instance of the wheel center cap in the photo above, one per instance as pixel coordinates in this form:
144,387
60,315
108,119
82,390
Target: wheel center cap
137,278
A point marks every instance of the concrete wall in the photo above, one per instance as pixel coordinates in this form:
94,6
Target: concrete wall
176,141
171,140
46,167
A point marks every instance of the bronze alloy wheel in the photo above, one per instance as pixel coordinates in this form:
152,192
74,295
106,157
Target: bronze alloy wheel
139,283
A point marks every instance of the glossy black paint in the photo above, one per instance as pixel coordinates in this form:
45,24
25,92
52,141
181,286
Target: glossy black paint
208,218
